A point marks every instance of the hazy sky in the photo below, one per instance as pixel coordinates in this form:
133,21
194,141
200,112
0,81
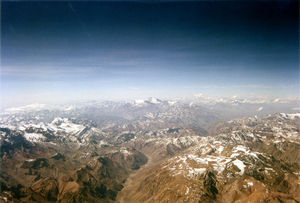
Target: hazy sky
59,51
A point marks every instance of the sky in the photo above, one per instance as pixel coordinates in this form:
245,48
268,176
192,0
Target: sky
66,51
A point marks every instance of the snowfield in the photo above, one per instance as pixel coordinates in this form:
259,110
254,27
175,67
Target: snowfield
34,137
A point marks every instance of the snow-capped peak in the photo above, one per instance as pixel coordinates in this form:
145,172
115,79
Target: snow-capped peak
30,107
150,100
139,101
153,100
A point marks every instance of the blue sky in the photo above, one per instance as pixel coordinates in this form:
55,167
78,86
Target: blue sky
66,51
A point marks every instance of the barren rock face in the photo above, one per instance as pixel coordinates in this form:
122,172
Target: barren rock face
46,188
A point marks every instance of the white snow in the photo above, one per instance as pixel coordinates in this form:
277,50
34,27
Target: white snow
293,116
277,141
217,162
260,108
243,149
30,107
193,172
220,149
34,137
64,124
154,100
187,191
139,101
240,165
8,126
240,148
171,103
200,170
69,108
149,115
290,116
250,135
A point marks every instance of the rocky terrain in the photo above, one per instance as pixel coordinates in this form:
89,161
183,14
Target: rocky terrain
247,160
149,151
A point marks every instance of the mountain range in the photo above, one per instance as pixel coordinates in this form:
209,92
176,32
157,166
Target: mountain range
151,150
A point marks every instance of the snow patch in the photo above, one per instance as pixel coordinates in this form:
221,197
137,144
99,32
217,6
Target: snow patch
290,116
30,107
34,137
220,149
64,124
187,191
260,108
240,165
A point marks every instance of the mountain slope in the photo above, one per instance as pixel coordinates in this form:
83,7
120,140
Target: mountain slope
248,160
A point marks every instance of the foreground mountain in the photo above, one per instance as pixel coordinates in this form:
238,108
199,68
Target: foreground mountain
147,151
247,160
